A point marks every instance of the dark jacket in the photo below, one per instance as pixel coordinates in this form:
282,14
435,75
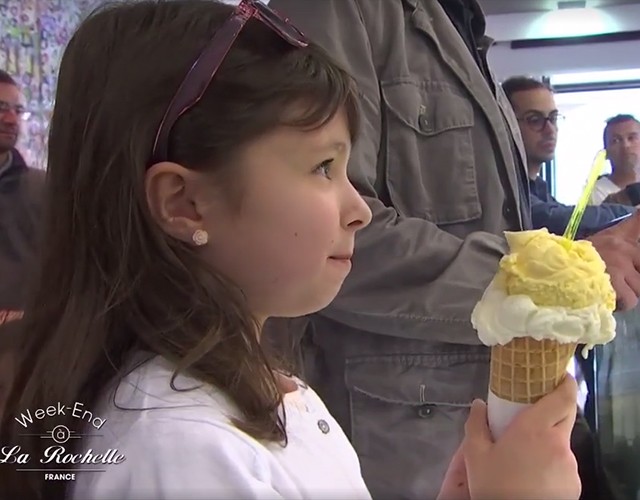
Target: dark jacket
21,191
547,212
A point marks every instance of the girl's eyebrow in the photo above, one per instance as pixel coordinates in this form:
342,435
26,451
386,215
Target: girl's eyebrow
334,146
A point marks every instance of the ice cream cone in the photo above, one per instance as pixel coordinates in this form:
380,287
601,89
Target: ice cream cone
524,370
549,295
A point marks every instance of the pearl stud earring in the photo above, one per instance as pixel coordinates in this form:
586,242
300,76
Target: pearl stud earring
200,237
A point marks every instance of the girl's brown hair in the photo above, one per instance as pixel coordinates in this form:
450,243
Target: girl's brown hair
110,282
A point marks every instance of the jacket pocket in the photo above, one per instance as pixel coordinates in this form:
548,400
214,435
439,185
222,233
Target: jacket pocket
430,164
408,414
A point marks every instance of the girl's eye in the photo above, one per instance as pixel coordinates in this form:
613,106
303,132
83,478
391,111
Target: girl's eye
324,168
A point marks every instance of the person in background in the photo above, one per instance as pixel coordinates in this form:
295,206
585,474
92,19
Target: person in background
440,163
21,191
198,204
621,138
538,116
9,341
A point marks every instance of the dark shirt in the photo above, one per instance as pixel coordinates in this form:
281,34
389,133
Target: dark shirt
469,21
548,212
21,191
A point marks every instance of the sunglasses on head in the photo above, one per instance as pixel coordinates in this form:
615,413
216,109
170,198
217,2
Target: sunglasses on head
207,64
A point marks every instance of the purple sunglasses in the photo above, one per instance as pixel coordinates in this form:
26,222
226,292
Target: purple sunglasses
205,67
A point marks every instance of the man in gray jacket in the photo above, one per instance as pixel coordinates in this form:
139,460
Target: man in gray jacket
440,162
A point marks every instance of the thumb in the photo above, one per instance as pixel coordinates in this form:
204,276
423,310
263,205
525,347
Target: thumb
477,435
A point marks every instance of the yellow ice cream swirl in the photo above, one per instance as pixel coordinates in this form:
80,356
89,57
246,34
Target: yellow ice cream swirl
554,271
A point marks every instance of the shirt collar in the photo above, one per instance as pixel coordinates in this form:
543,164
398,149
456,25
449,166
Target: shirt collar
7,164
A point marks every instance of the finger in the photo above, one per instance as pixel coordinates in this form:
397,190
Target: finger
626,298
629,228
455,486
632,279
631,249
566,425
457,462
556,407
457,468
477,435
626,282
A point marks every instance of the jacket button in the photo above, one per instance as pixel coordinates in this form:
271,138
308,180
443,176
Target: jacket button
507,211
425,411
423,121
323,426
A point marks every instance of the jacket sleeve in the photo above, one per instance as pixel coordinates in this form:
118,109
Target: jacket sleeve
629,196
618,197
555,216
409,278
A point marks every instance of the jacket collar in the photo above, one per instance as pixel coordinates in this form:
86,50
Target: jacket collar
16,165
479,21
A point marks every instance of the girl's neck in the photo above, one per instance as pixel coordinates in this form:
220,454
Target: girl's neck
286,384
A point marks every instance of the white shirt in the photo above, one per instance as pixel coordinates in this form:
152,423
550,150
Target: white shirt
186,448
603,188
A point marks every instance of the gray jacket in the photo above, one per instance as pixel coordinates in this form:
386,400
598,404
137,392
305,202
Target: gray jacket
440,163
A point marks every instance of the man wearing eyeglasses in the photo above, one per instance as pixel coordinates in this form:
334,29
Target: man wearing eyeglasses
11,110
20,193
538,117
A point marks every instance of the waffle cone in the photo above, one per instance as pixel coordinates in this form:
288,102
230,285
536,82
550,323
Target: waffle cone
525,369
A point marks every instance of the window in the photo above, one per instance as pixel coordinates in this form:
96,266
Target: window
580,135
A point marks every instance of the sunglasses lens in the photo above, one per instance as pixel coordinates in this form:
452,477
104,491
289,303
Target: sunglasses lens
286,30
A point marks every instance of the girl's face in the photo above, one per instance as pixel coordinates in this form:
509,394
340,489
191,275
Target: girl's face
288,238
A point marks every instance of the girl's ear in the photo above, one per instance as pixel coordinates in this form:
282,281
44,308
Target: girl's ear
171,193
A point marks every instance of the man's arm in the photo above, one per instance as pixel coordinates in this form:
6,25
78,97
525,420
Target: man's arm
630,195
409,279
621,197
555,216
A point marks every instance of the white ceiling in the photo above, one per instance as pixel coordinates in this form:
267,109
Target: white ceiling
513,6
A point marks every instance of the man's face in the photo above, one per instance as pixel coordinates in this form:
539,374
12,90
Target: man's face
623,146
11,108
537,116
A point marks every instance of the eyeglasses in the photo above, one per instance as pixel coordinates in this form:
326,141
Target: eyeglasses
207,64
18,109
537,121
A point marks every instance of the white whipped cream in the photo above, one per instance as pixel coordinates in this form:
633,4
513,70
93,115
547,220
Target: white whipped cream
500,318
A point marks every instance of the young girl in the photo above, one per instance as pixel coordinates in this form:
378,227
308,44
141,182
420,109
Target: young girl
197,186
